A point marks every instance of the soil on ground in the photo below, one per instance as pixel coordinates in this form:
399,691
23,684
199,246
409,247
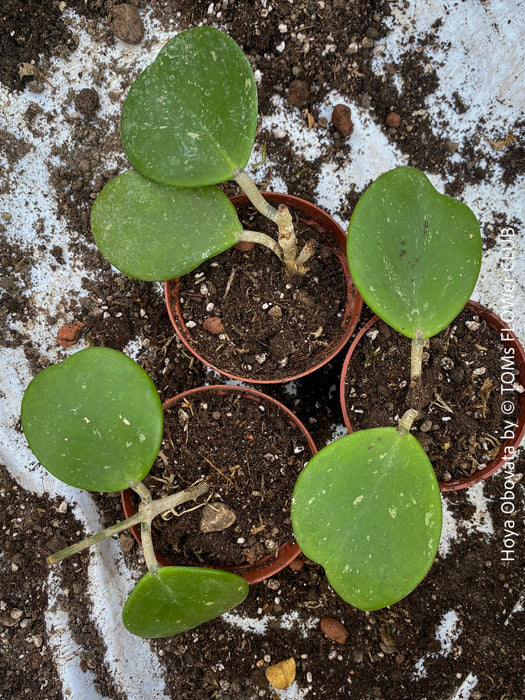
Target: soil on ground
329,46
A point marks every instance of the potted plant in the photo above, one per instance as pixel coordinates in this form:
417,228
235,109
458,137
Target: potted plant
367,507
415,256
188,124
95,421
250,448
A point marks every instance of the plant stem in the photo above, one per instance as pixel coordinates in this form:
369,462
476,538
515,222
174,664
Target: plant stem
146,514
416,357
281,217
249,188
145,527
147,546
263,239
406,421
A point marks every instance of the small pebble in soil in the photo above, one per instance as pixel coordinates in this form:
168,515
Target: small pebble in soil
334,629
68,335
244,246
342,120
87,101
127,24
393,120
473,325
126,542
297,564
213,325
216,517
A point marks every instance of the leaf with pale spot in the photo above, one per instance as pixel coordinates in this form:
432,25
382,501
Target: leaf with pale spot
190,118
94,421
367,507
154,232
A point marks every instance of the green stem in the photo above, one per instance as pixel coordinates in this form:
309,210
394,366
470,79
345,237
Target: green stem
416,357
146,514
406,421
249,188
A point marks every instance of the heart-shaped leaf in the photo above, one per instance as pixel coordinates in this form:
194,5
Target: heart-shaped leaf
94,421
190,118
176,598
414,254
154,232
367,507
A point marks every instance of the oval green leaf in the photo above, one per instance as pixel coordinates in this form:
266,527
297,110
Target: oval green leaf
190,118
414,254
176,598
154,232
368,508
94,421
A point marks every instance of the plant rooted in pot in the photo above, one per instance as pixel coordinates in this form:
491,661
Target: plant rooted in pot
367,507
415,256
95,421
250,450
188,124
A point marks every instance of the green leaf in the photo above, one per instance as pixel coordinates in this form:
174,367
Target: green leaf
175,599
190,118
367,507
94,421
154,232
414,254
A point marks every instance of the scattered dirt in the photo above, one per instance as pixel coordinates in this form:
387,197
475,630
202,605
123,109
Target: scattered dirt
460,420
250,456
33,527
275,324
328,46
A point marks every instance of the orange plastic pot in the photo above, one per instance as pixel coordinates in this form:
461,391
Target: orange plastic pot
327,227
509,340
288,551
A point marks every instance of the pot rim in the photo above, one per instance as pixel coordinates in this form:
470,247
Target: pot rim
519,358
353,302
288,551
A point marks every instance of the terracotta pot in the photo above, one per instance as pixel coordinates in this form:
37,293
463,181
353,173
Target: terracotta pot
268,565
322,222
519,361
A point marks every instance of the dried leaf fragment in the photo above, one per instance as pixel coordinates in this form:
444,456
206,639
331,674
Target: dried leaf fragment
26,69
281,675
500,145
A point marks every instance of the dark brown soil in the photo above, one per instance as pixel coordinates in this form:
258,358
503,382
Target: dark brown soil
460,420
250,455
275,324
221,660
33,527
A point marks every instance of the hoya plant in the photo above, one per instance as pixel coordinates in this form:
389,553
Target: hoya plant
188,123
367,507
95,421
414,255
